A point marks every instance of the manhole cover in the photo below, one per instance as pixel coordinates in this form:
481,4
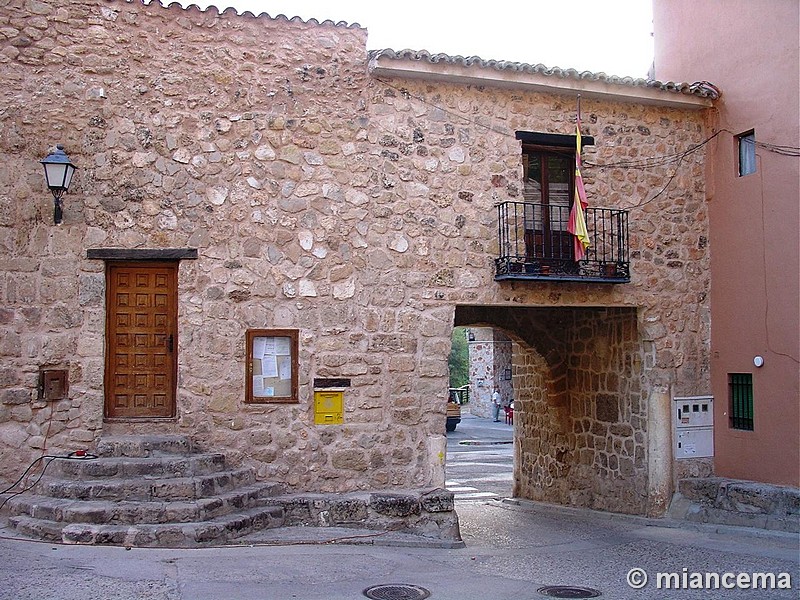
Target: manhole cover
396,591
568,591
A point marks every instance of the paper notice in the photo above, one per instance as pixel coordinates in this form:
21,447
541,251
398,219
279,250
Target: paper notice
283,346
259,345
269,346
284,367
258,386
269,366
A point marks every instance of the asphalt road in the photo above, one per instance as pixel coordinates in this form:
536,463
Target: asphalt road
480,459
513,550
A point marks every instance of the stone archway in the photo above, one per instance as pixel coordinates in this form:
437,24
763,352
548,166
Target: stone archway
580,412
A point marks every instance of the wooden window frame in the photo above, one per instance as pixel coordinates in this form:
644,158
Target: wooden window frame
283,398
548,243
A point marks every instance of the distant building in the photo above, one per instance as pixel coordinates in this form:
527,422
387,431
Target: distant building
490,368
749,49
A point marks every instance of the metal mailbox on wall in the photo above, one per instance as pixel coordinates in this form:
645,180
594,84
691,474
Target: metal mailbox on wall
693,427
328,407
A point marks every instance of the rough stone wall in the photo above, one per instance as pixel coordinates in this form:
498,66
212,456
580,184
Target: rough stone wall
544,448
580,417
502,367
357,210
489,356
608,412
247,139
481,372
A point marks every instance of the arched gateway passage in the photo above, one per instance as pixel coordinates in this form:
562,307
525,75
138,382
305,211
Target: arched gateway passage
580,412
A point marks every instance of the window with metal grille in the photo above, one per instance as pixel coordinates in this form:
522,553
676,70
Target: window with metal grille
740,390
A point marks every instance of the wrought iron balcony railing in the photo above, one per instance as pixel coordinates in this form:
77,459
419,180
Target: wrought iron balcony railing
535,244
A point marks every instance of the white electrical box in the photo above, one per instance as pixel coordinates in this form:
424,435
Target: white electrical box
693,426
695,443
694,411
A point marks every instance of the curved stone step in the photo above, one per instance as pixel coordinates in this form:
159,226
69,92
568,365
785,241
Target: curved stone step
144,445
147,488
97,512
181,535
154,466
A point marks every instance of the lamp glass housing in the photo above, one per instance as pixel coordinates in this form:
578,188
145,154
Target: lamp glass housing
58,170
58,175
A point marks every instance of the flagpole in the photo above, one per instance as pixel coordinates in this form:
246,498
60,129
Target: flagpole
577,218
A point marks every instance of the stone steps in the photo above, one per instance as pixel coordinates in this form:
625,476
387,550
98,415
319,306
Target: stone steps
129,512
156,466
146,491
149,487
145,445
218,530
722,501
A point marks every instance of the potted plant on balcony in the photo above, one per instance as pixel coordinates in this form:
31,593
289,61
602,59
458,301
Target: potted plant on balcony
608,270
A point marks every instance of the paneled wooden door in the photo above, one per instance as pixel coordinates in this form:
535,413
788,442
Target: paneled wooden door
142,339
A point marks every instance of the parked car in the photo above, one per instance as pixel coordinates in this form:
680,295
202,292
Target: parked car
456,398
453,416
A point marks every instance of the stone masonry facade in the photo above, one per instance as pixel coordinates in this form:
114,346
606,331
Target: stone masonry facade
356,209
489,361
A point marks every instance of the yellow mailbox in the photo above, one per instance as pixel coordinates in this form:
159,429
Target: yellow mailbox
328,407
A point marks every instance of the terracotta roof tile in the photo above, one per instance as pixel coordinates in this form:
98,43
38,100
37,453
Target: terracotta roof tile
211,8
701,89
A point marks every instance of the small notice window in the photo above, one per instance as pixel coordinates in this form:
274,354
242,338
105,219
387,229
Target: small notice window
740,391
271,370
747,153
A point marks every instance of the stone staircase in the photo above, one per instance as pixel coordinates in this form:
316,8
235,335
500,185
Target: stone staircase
146,491
722,501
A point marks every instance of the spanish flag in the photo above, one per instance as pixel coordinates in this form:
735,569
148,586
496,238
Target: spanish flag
577,217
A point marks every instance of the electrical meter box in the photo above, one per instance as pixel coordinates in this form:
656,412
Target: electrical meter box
328,407
53,384
693,427
695,443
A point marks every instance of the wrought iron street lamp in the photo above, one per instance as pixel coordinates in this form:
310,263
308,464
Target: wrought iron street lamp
58,172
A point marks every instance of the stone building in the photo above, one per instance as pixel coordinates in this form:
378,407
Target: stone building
305,218
490,368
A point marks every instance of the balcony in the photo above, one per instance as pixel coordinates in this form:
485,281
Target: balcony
535,244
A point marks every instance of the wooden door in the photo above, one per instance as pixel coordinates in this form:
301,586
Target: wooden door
142,339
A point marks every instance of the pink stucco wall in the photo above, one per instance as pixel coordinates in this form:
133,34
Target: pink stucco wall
749,49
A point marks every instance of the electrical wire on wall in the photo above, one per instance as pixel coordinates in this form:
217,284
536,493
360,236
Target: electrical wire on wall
34,464
777,149
76,455
765,265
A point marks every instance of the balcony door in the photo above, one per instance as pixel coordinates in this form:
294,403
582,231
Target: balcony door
548,190
141,334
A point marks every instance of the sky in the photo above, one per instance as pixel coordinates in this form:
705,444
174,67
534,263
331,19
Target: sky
608,36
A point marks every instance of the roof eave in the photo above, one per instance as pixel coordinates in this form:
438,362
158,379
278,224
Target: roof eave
382,66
